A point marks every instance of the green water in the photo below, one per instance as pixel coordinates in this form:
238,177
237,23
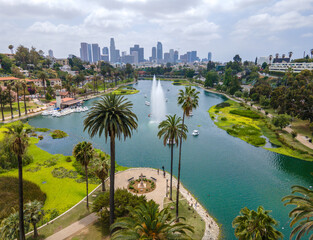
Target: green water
223,172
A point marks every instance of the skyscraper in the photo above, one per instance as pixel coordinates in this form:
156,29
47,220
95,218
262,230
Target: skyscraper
112,51
89,53
209,56
171,55
159,52
105,50
95,52
50,52
175,56
153,54
84,52
140,51
193,56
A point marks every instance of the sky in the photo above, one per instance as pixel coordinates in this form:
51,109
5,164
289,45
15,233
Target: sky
250,28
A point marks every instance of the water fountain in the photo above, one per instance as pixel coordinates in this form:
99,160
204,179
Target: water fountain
158,107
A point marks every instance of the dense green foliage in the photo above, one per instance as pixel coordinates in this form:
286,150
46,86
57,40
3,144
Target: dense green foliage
246,113
258,224
122,199
146,221
9,194
58,134
281,121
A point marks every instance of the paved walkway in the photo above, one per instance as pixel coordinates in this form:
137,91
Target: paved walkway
73,228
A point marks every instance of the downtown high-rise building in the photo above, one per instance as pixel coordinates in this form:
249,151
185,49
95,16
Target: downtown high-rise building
175,56
84,52
140,53
95,52
105,50
153,57
112,51
159,52
50,53
89,53
209,56
105,54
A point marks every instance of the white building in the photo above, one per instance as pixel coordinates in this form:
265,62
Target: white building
296,67
262,60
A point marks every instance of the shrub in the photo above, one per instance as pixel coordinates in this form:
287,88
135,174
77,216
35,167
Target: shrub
34,135
245,113
294,134
41,129
238,94
68,159
122,200
56,134
62,172
281,121
224,119
217,111
223,105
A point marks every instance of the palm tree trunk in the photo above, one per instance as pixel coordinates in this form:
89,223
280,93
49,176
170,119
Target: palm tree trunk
86,172
179,166
35,231
20,189
103,84
44,87
94,86
171,185
10,100
103,185
25,101
2,107
112,175
18,103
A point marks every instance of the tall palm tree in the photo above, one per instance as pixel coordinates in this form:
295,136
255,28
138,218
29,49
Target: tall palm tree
102,166
111,116
171,129
9,88
146,221
24,85
255,225
43,77
34,213
17,86
189,100
2,102
18,135
302,213
103,73
83,152
11,48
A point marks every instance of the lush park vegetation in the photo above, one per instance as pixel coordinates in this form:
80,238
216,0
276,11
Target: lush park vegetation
56,134
242,122
125,90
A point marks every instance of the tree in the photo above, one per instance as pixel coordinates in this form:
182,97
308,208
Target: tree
228,77
24,85
10,227
258,224
281,121
17,86
171,129
264,65
43,77
9,88
303,211
83,152
237,58
146,221
188,100
11,48
33,214
19,145
111,116
210,66
101,166
2,102
210,79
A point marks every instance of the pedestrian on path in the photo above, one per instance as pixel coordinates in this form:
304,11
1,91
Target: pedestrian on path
158,171
163,171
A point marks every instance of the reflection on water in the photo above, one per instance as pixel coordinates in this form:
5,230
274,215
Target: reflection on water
223,172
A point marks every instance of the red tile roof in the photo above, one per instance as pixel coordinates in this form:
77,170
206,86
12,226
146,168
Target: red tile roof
8,78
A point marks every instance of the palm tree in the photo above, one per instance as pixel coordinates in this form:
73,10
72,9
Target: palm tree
11,48
290,54
146,221
102,166
112,117
43,77
254,225
17,86
302,213
2,102
83,152
171,129
24,85
189,100
270,58
18,135
10,227
9,87
34,213
103,73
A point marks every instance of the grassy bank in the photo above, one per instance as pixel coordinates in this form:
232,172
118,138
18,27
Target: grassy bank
249,125
125,90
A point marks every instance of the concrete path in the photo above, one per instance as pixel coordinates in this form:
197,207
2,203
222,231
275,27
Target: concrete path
73,228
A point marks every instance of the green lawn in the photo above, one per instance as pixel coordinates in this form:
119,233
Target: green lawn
125,91
29,105
252,130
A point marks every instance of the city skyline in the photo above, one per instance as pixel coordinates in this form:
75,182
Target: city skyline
247,27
